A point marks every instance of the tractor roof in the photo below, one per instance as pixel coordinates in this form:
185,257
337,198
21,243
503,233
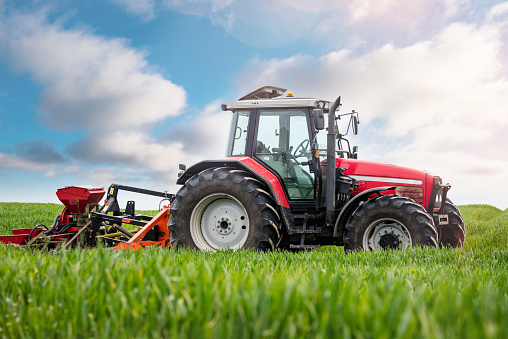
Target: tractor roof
269,97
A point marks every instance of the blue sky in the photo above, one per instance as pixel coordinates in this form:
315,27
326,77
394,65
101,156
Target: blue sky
96,92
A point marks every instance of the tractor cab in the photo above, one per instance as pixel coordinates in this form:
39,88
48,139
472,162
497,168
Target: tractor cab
285,134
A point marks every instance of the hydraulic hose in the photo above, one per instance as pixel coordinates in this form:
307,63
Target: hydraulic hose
53,227
33,229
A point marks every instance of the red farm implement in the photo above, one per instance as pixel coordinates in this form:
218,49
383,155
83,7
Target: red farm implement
83,221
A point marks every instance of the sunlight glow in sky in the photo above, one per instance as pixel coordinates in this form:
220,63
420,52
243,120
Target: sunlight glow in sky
95,92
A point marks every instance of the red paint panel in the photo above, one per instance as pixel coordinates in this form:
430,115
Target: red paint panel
14,239
264,173
76,198
355,167
270,177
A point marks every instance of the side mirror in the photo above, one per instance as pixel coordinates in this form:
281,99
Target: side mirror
319,118
354,124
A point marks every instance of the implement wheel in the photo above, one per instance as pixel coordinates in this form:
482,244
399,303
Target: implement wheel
389,221
453,234
223,208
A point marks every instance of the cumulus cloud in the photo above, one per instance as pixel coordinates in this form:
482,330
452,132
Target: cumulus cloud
397,21
204,132
498,11
400,12
437,104
16,162
100,87
89,81
40,151
127,147
194,138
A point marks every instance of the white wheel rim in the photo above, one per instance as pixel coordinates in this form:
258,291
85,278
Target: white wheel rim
219,221
386,233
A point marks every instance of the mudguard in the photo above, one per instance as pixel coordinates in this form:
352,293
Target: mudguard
243,163
352,204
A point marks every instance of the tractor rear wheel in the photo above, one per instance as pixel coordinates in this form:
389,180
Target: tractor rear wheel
389,221
223,208
453,234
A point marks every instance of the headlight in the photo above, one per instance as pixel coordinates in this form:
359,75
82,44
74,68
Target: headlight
439,193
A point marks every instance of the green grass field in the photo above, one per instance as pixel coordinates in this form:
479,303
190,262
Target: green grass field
419,293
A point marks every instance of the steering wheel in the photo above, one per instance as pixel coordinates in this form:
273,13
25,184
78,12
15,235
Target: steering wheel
303,149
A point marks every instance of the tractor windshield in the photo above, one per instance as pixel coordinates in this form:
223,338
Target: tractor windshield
283,144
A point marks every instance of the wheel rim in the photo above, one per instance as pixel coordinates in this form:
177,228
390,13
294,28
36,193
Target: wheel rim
386,233
219,221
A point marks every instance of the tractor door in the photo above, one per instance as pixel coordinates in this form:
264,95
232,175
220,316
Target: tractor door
282,143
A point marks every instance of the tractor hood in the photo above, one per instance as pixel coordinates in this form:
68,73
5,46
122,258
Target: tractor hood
371,171
371,175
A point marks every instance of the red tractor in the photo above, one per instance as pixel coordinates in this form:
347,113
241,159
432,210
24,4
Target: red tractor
277,188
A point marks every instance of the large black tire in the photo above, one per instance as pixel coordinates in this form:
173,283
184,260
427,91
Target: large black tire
224,208
389,221
453,234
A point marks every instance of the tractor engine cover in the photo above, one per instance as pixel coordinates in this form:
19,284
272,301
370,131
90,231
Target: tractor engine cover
77,198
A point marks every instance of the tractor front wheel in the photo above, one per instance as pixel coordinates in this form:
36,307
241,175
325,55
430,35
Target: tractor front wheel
454,233
389,221
222,208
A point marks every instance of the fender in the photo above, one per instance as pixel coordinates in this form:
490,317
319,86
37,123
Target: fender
247,164
352,204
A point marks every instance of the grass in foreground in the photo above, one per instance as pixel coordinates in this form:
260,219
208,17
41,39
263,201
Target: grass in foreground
420,293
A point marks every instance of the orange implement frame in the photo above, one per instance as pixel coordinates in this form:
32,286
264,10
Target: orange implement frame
161,220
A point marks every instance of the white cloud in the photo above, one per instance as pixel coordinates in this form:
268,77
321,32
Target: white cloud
372,22
400,12
105,89
498,11
99,86
89,80
195,138
128,147
437,104
204,134
15,162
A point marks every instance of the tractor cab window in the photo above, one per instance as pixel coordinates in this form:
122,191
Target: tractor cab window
283,144
238,134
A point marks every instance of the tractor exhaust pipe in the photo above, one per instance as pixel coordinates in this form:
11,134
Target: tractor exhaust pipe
330,163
